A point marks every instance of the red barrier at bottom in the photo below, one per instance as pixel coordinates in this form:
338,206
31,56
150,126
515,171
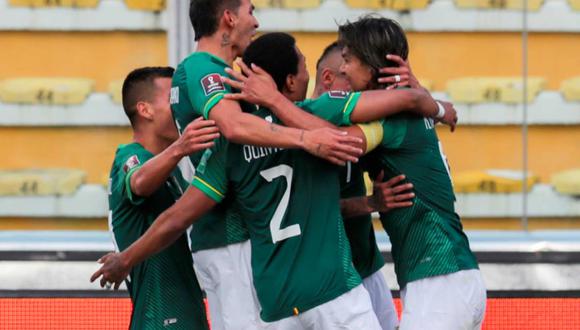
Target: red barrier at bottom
114,313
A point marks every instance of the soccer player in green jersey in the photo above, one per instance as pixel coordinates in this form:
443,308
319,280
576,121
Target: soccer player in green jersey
366,256
441,286
223,29
144,182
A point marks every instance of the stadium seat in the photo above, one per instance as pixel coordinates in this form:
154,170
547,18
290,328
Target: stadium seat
511,90
115,88
388,4
54,3
492,181
150,5
427,83
567,182
575,4
299,4
571,89
262,3
493,89
64,91
40,182
533,5
471,90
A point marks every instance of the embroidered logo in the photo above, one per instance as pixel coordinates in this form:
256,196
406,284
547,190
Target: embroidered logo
338,94
174,98
131,163
212,83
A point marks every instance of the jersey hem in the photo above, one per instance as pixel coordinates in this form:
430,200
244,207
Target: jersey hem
207,189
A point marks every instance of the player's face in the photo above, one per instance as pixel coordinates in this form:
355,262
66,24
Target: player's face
339,79
163,119
246,26
302,77
358,74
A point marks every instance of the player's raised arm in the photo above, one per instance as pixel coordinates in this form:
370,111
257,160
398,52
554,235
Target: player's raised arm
165,230
197,136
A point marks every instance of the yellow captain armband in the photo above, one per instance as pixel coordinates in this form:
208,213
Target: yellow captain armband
373,132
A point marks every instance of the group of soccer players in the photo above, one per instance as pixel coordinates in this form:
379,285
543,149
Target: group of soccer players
282,236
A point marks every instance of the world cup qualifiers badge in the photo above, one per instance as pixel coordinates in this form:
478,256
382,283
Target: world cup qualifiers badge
212,83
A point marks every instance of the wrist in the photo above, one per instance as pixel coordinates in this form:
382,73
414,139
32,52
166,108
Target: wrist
370,204
440,110
275,102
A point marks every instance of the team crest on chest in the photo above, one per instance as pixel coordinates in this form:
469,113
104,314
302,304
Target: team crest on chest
131,163
212,83
338,94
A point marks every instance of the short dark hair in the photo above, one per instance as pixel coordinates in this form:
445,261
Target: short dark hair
333,47
275,53
139,86
205,15
371,38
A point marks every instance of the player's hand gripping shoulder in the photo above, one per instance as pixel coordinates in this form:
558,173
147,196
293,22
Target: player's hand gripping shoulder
391,194
198,135
113,271
333,145
256,86
402,76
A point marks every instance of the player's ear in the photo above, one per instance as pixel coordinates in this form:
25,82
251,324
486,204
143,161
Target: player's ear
291,83
144,110
327,77
230,18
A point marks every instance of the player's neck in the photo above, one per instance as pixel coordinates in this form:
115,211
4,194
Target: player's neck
215,46
151,142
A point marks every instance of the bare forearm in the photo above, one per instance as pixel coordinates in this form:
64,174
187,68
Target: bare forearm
169,226
293,116
354,207
378,104
153,174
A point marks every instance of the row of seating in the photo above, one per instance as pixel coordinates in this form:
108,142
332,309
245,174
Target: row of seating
149,5
158,5
42,182
470,90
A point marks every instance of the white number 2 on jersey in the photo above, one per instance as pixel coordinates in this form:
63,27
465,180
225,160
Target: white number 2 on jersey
280,234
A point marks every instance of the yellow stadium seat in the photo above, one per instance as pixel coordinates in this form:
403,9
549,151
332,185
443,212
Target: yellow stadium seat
64,91
45,90
54,3
575,4
426,83
151,5
511,90
571,89
533,5
299,4
471,90
40,182
388,4
493,89
115,89
262,3
567,182
492,181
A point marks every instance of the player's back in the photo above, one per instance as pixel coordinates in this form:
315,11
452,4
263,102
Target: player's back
427,238
289,201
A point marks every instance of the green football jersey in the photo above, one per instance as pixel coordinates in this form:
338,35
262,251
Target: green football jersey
289,201
427,239
336,107
164,290
196,89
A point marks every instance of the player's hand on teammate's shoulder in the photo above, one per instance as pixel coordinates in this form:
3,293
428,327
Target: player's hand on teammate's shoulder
255,85
113,271
198,135
391,194
333,145
398,76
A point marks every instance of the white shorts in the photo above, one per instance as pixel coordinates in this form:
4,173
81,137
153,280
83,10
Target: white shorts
351,310
382,300
447,302
225,274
